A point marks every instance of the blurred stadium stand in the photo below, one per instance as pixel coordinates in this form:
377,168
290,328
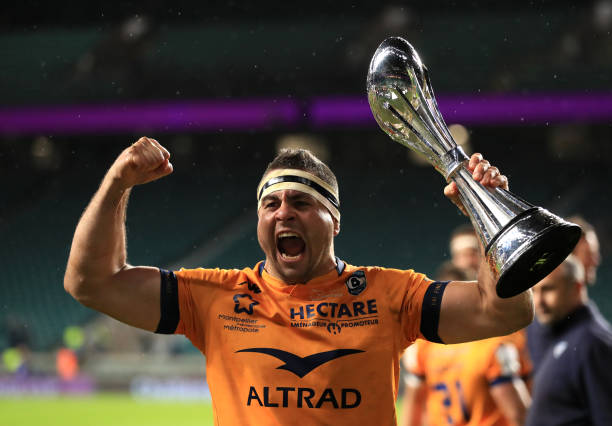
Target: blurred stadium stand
393,210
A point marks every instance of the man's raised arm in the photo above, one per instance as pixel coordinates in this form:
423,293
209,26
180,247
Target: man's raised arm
97,274
472,310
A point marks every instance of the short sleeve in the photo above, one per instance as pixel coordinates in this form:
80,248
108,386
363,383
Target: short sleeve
415,373
411,293
412,358
196,291
505,364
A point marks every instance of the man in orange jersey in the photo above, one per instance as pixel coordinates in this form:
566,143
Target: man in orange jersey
473,383
302,337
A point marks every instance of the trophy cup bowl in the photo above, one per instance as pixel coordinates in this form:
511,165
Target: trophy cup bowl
523,243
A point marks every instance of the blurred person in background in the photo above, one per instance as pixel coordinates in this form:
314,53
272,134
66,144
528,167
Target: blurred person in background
539,337
474,383
573,383
302,335
465,250
587,250
16,358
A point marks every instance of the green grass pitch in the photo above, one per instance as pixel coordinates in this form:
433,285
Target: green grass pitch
102,410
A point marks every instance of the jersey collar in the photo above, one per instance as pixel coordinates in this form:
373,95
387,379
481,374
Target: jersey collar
340,266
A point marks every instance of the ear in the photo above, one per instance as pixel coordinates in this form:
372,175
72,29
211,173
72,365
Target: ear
336,227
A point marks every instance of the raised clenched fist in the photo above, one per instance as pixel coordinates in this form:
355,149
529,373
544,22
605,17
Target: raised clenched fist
144,161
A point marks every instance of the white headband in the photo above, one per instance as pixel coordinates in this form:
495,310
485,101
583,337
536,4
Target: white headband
300,180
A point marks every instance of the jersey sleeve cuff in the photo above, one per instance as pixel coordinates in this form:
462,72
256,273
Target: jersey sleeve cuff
430,313
169,304
500,380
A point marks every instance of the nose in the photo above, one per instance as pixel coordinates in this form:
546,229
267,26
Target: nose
284,211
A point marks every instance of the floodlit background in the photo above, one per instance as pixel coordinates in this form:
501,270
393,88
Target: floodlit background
223,86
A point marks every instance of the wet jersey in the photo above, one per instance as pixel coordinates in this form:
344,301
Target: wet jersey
322,353
458,377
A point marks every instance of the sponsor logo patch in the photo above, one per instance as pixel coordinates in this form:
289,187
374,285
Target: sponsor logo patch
335,316
302,366
244,303
356,283
302,397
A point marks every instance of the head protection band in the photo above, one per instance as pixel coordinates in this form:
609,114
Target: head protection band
300,180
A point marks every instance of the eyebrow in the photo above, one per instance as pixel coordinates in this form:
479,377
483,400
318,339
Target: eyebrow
292,197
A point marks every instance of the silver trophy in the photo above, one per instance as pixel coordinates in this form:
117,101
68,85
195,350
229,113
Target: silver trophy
523,243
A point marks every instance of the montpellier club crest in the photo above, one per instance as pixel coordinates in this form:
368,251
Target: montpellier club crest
356,283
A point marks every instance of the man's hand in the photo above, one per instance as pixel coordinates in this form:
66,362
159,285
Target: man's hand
482,172
144,161
472,312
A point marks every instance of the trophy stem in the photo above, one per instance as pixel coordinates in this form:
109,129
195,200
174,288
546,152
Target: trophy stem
489,210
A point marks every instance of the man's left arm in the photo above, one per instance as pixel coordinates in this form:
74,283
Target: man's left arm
472,310
512,400
506,387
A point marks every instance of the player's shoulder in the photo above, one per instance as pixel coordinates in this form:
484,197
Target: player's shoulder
218,276
590,332
597,337
385,273
600,328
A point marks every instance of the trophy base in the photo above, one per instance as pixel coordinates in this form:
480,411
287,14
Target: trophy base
528,248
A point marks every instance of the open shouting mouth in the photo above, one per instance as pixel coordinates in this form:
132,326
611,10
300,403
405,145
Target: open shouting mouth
290,245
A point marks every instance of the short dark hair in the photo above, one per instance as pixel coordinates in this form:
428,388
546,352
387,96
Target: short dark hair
463,229
302,159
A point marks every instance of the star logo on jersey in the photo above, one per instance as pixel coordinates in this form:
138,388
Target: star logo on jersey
244,303
356,283
302,366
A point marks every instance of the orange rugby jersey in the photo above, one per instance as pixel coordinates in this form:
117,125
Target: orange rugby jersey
458,377
326,352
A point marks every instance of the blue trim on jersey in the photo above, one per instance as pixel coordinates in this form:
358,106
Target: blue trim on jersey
340,267
168,301
500,380
430,314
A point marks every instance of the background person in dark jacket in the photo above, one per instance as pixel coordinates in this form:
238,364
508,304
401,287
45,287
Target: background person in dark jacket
573,384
